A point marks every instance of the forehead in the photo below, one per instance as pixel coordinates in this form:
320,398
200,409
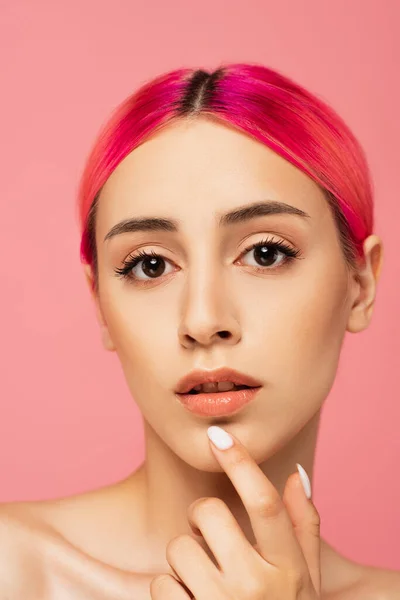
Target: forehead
193,169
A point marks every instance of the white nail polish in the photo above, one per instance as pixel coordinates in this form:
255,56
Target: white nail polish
304,480
219,437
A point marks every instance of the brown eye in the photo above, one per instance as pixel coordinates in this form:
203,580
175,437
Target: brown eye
266,255
267,252
151,265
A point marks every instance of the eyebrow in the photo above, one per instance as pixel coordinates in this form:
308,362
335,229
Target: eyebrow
238,215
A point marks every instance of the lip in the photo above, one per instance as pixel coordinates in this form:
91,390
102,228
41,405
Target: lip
200,376
217,404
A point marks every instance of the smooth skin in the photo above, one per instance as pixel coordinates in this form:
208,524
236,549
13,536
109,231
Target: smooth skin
284,562
285,326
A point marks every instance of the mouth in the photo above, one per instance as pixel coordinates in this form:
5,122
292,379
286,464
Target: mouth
220,386
218,404
223,379
216,393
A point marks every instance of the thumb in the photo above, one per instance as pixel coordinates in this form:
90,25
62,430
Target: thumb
306,522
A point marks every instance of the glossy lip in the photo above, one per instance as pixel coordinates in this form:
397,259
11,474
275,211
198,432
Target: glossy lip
217,404
222,374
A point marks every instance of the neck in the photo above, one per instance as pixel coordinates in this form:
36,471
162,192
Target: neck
170,485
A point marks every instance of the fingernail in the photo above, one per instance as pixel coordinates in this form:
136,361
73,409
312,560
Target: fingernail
219,437
304,480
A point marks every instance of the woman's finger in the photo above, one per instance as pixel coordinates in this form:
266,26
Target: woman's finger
166,587
223,535
306,524
193,566
271,523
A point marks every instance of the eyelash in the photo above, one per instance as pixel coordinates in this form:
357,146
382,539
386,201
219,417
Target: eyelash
131,262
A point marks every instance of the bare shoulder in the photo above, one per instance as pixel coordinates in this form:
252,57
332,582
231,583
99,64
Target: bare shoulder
344,578
380,584
46,546
372,583
20,555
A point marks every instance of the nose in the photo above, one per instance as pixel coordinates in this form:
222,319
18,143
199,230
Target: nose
208,315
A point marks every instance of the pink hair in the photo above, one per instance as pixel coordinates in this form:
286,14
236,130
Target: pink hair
257,100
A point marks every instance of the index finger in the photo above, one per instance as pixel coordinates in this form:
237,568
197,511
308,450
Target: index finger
271,523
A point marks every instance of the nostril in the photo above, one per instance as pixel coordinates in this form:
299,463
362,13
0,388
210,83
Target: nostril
224,334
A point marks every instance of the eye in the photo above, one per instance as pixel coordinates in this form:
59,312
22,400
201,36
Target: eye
266,253
145,266
152,265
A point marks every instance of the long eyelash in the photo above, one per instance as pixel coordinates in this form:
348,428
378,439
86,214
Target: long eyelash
276,245
132,261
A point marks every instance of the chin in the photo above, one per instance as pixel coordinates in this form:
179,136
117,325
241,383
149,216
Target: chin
200,456
207,464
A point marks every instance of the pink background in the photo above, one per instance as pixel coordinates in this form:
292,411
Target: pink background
68,422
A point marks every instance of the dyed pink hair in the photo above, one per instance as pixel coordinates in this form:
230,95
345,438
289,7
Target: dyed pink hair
256,100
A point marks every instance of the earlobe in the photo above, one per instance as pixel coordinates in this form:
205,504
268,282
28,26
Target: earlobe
366,280
88,276
105,335
106,339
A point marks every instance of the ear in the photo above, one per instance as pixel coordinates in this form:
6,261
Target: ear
366,279
105,334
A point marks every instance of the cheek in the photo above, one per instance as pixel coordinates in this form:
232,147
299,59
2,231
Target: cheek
301,331
297,341
143,339
141,344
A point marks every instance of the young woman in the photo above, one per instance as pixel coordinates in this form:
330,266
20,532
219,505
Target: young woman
227,236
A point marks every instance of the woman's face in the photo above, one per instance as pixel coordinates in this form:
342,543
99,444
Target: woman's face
286,317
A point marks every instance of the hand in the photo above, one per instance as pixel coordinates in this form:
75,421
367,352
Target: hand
284,564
